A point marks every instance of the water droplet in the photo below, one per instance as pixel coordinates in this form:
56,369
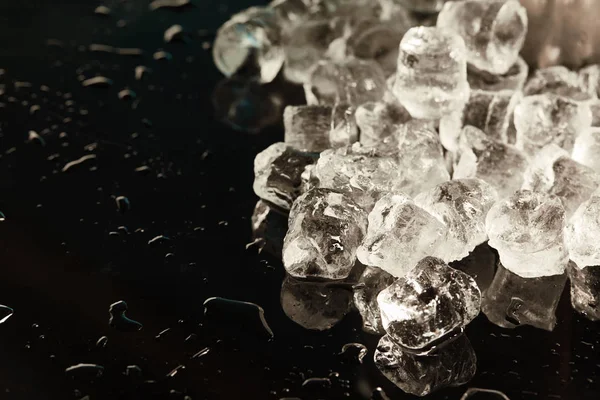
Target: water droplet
2,217
362,350
97,81
158,240
85,371
5,312
133,371
119,320
162,334
162,55
102,342
102,10
140,72
241,312
101,48
77,162
34,137
175,371
158,4
175,33
123,204
127,94
317,382
202,353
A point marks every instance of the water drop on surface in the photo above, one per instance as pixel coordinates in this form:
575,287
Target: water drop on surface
2,217
102,10
123,204
226,310
102,342
85,371
97,81
119,320
158,4
5,311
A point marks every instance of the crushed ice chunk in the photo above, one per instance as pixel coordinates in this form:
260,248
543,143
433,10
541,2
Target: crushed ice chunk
314,305
527,231
378,121
431,79
493,31
428,304
372,281
499,164
252,40
461,205
318,127
491,112
590,79
453,365
544,119
512,300
558,81
399,235
277,174
513,80
582,233
352,82
325,229
585,290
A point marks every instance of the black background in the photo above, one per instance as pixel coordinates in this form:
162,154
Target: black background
61,268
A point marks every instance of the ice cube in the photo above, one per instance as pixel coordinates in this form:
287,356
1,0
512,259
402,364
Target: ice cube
277,174
325,229
316,128
462,205
590,79
453,365
378,121
314,305
250,40
513,80
399,235
352,82
493,31
290,12
491,112
480,264
422,6
429,304
431,79
512,300
372,281
559,175
527,231
582,233
587,148
585,290
544,119
307,44
558,81
499,164
269,226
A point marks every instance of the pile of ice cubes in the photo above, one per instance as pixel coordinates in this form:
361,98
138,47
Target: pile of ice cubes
425,141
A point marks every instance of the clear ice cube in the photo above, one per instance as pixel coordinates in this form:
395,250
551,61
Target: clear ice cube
399,235
544,119
431,78
250,40
491,112
453,365
461,205
325,229
582,233
513,80
512,300
429,304
527,231
352,82
314,305
316,128
587,148
585,290
277,174
499,164
590,79
372,281
493,31
379,121
558,81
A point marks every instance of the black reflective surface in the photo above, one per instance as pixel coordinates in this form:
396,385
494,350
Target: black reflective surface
67,252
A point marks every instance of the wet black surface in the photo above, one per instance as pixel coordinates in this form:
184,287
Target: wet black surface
67,251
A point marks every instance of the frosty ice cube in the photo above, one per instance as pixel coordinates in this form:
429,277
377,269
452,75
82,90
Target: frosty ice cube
399,235
493,31
307,44
325,229
379,121
559,175
453,365
582,233
461,205
512,300
428,304
527,231
491,112
352,82
314,305
316,128
587,148
585,290
499,164
558,81
251,40
513,80
545,119
277,174
372,281
431,79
